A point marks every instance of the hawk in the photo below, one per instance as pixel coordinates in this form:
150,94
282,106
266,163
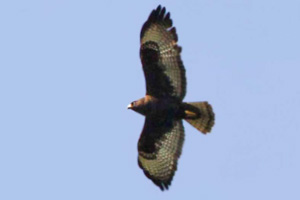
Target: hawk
161,140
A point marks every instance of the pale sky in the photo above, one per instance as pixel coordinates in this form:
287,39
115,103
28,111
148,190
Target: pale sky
68,70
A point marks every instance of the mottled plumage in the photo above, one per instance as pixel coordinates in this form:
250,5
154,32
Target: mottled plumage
162,138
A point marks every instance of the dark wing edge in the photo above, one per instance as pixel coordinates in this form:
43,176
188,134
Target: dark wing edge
160,56
160,147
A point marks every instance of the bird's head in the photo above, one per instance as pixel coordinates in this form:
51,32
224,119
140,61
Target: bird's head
138,106
132,105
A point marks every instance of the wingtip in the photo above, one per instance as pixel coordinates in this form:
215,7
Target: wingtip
164,186
158,15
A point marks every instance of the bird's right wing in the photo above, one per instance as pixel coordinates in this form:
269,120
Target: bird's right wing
159,147
160,56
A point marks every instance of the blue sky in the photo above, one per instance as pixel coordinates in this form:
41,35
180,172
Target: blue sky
68,70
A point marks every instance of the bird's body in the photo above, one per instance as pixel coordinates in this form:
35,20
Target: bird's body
157,107
162,138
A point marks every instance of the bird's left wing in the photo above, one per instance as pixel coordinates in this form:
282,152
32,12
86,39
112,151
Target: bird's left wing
159,147
160,56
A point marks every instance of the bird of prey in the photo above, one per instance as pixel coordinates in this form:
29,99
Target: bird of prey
162,137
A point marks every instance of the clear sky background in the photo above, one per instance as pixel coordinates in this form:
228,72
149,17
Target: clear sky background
68,70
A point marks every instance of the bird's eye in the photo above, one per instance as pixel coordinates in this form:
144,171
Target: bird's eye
133,103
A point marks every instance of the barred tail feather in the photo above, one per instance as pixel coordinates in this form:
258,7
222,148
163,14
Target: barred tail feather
200,115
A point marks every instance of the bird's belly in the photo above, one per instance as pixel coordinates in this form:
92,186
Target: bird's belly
163,109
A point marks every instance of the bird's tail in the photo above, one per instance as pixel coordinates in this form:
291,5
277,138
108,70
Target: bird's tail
200,115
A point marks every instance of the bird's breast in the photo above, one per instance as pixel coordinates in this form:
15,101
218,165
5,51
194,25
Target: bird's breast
162,108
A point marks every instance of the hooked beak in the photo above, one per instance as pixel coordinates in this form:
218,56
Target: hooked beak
129,106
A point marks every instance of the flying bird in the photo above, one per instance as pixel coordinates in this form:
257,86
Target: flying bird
161,140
